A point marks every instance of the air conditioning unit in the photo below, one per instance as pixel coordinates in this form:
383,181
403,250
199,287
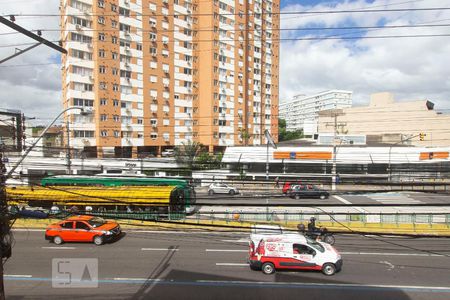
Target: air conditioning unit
154,125
165,42
153,39
89,45
154,98
154,54
78,27
166,71
166,85
91,78
126,1
153,25
128,79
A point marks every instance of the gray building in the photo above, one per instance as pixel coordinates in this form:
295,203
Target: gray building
302,112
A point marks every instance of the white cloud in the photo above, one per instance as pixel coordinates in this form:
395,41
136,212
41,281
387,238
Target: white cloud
31,82
411,68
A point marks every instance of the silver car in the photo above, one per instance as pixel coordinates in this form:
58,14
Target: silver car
222,188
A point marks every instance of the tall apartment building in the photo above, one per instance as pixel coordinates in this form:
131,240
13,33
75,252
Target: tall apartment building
157,73
302,112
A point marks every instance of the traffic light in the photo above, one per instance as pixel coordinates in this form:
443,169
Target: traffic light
422,136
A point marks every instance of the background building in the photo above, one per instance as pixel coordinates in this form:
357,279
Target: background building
387,121
301,112
159,73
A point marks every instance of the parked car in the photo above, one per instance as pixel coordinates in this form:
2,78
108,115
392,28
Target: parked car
168,153
83,228
222,188
307,191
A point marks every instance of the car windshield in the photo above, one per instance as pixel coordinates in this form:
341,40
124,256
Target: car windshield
315,245
96,222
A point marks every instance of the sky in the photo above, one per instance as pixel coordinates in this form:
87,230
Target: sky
411,68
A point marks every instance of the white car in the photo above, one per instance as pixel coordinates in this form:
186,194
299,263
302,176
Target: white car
222,188
168,152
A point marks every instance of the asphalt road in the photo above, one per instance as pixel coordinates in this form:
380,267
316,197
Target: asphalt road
212,265
255,200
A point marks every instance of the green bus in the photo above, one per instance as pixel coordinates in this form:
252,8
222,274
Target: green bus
119,181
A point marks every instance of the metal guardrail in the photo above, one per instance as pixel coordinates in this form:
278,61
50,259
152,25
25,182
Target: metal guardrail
338,218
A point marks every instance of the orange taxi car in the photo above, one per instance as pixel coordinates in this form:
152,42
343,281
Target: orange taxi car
83,229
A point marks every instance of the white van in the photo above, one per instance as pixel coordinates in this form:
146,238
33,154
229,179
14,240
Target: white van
292,252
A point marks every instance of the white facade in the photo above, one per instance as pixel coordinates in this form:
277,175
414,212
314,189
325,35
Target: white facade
301,112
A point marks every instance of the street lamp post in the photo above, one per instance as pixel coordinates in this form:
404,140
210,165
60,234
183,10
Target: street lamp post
271,143
39,138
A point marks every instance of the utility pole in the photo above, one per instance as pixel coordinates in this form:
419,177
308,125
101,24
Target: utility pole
334,113
5,246
333,169
68,147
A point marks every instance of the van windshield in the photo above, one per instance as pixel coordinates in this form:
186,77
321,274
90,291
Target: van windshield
315,245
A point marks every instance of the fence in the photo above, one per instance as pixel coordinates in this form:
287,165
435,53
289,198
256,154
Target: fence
287,217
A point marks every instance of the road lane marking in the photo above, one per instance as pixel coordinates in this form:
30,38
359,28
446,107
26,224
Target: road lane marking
349,203
159,249
225,250
21,276
261,284
232,264
134,279
60,248
342,200
391,254
236,241
391,266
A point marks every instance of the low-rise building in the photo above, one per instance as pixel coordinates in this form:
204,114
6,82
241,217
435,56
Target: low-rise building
386,121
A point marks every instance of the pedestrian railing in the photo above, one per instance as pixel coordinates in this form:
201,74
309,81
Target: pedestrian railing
285,217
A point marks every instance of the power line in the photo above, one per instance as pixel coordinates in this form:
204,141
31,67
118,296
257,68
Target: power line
269,13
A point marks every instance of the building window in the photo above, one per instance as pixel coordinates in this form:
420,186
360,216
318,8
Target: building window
124,12
101,3
113,24
104,133
114,55
115,102
101,53
113,7
102,69
139,121
103,101
103,117
101,36
114,71
101,20
115,87
114,40
116,133
103,85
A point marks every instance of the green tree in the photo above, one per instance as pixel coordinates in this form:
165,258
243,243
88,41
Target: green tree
284,135
206,161
187,152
